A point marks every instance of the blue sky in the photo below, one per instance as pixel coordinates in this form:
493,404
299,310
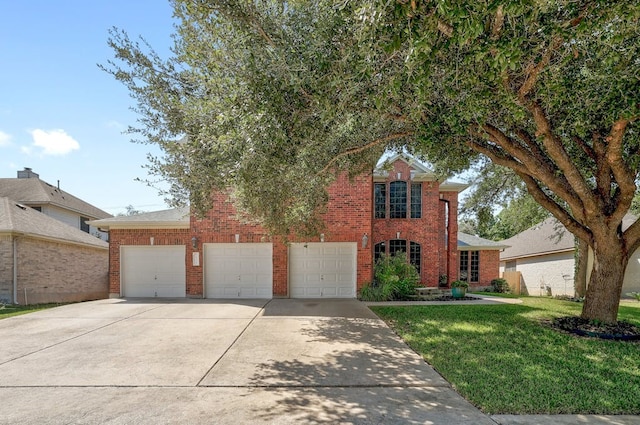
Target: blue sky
59,113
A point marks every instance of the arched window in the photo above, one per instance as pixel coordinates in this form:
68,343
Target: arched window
398,199
414,255
396,245
378,251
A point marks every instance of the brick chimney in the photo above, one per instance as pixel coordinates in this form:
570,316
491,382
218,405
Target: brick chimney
27,173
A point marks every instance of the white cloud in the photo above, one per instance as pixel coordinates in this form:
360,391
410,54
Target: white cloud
5,139
53,142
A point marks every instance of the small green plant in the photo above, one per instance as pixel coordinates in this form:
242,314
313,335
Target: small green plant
635,295
500,286
395,279
459,284
443,280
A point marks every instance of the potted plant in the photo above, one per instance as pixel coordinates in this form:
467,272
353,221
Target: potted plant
459,288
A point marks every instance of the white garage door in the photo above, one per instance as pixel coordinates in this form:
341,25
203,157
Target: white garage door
238,270
322,270
153,271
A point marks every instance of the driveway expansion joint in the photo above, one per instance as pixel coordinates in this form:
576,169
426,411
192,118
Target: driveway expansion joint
233,342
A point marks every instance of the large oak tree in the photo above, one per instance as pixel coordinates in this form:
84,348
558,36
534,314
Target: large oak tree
274,99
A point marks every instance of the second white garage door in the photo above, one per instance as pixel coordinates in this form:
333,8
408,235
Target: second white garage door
322,270
152,271
238,270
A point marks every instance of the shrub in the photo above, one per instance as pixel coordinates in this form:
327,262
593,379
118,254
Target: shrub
395,279
635,295
443,280
500,285
459,284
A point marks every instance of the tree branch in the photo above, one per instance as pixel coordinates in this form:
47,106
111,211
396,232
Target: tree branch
625,177
534,71
359,149
558,211
563,161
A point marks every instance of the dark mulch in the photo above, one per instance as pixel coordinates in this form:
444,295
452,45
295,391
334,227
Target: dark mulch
450,298
623,331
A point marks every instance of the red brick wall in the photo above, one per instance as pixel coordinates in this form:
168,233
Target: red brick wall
489,267
119,237
347,219
428,231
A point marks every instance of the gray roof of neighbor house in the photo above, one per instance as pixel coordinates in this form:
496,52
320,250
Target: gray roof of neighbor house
468,242
35,192
172,218
19,219
548,237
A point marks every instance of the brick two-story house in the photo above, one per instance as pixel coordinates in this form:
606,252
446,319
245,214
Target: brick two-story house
402,208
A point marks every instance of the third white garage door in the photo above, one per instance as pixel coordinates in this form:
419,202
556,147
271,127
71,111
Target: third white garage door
238,270
322,270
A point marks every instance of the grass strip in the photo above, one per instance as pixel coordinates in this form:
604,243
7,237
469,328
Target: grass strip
504,361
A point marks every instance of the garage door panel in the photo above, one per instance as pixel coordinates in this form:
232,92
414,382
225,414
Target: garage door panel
239,270
153,271
319,270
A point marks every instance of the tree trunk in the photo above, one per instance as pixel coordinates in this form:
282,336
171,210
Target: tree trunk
580,275
605,285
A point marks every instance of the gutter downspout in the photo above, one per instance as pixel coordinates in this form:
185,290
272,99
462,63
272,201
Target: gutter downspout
446,239
15,269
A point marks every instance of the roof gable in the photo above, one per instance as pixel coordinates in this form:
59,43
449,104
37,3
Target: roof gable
34,192
16,218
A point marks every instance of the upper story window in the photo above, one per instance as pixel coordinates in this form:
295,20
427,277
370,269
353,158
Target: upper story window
398,199
83,224
380,196
416,200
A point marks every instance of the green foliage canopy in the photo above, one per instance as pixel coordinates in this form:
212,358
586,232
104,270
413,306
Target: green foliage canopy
274,99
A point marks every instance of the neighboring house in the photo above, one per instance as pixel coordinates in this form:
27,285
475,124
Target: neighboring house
544,255
403,208
29,190
43,260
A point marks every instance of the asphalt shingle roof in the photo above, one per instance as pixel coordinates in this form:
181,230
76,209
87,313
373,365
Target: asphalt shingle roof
21,219
33,191
174,216
470,242
547,237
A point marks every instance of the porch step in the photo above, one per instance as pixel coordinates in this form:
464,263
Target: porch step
431,292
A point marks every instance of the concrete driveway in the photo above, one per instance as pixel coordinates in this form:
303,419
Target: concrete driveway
132,361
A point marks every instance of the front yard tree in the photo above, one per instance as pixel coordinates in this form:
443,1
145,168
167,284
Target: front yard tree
273,99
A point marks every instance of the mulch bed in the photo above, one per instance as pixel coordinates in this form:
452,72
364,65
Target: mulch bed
621,331
450,298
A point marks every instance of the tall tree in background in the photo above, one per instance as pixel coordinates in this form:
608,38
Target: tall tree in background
274,99
498,188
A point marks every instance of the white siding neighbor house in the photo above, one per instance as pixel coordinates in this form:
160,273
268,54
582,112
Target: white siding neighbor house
544,257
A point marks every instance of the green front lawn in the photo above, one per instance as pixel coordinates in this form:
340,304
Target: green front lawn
500,358
8,310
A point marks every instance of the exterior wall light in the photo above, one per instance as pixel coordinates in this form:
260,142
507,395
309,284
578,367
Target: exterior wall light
194,242
365,240
321,237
